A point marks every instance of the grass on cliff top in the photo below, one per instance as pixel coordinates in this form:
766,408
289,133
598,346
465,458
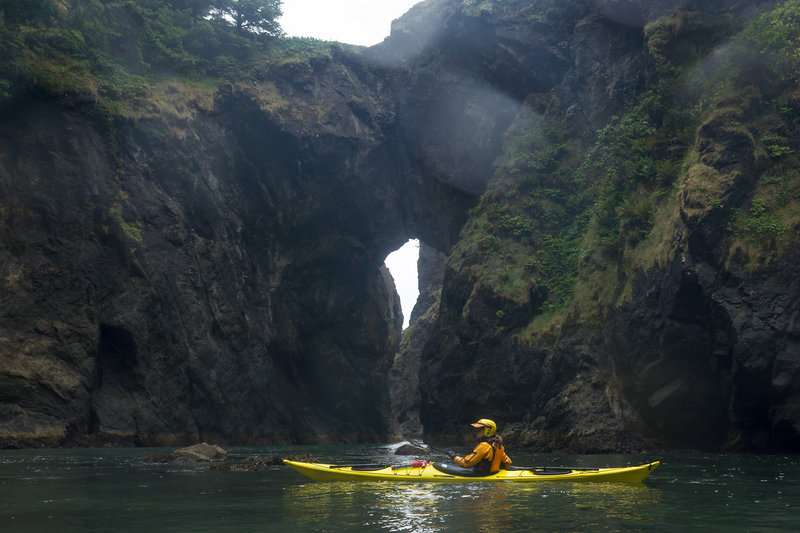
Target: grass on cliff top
131,58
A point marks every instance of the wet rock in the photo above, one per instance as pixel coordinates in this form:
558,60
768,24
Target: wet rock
409,449
255,463
198,453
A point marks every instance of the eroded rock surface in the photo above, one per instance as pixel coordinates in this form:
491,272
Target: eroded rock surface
216,274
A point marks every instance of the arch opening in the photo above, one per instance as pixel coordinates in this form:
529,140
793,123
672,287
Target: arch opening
402,263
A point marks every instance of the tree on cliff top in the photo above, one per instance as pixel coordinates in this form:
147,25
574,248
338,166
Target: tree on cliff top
257,16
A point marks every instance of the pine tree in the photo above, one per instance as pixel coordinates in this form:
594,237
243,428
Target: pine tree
257,16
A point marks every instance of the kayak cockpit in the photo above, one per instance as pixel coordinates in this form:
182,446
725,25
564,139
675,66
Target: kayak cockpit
455,470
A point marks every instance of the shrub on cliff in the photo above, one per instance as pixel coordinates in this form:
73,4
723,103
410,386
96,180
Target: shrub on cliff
110,52
574,224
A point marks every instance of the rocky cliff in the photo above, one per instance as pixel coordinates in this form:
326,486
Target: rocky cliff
164,283
665,317
210,266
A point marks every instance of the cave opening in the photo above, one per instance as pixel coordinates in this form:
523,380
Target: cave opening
116,355
402,263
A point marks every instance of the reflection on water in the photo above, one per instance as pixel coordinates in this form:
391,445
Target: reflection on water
391,506
489,507
622,502
482,507
321,503
114,490
409,508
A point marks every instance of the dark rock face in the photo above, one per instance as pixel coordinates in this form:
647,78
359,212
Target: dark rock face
404,374
217,275
159,289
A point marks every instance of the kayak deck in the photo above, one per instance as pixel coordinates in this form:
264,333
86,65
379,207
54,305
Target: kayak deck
425,472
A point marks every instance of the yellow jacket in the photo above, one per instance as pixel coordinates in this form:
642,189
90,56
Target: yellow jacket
485,453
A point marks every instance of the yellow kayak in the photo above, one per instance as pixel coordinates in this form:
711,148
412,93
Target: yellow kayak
431,471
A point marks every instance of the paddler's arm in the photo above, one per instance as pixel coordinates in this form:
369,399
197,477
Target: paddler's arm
475,457
506,462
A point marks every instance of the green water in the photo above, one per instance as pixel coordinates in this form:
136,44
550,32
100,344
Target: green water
114,490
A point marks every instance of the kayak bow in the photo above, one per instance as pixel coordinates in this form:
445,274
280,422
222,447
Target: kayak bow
424,472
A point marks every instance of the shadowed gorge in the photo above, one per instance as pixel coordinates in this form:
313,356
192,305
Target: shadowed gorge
606,194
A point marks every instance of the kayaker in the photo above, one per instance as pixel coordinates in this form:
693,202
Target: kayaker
489,454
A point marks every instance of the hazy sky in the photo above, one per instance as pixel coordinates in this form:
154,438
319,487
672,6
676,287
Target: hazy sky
364,22
402,264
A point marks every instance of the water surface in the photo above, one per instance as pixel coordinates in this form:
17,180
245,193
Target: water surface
115,490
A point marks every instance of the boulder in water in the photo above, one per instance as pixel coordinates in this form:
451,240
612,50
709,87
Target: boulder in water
197,453
410,449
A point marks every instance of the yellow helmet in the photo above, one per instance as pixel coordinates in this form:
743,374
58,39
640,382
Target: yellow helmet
489,427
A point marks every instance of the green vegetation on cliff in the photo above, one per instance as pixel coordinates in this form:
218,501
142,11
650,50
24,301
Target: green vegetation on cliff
764,227
564,228
123,56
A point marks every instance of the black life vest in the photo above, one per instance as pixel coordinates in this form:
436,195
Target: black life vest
489,465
